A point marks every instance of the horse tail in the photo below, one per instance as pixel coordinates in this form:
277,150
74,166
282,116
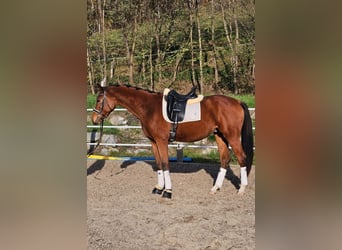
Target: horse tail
247,138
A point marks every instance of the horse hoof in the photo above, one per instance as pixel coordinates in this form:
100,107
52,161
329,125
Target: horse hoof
241,191
212,192
157,191
167,194
214,189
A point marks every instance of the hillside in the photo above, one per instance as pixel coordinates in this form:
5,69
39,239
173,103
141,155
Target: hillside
178,44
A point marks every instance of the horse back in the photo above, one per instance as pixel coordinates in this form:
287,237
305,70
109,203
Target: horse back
221,105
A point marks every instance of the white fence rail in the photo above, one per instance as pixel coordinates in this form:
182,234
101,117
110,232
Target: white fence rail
177,145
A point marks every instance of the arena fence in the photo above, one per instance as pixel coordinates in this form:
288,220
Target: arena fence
178,145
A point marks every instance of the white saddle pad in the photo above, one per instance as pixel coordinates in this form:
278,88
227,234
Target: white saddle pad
192,109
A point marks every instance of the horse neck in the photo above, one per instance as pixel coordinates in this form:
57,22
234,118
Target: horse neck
135,101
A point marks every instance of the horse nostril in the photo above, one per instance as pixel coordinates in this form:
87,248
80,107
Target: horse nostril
95,121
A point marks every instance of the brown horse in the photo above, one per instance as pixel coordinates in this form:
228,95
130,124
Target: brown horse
228,119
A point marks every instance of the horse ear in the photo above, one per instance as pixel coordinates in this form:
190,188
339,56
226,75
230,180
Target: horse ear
99,88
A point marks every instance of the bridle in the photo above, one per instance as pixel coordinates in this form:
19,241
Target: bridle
103,103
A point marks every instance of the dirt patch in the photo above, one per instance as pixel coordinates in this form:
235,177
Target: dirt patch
123,214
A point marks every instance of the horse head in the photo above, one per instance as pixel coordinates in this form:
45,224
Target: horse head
105,104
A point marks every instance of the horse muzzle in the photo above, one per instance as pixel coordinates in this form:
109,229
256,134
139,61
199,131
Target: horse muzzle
97,117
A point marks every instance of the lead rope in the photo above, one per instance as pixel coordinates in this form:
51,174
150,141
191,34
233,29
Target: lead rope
92,150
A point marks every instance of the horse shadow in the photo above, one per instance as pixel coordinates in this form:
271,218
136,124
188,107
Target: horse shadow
182,167
96,166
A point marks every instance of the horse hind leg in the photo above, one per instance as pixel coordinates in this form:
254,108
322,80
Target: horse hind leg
241,157
224,159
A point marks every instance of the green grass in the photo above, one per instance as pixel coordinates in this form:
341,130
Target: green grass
91,101
248,99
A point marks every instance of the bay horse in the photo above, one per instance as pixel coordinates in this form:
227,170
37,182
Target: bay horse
225,117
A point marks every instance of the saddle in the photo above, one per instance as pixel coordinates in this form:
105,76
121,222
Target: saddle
176,106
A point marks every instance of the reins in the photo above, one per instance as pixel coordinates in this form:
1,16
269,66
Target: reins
92,150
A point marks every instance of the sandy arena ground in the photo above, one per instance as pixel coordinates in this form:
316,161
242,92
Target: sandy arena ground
123,214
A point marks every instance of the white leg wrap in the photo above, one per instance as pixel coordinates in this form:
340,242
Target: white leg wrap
160,179
243,176
167,179
220,177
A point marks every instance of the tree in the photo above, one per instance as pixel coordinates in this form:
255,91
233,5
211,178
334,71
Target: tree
209,44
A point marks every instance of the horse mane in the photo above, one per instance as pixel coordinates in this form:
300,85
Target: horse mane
136,88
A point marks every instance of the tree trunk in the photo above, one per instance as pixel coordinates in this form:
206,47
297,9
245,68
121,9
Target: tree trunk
90,75
200,51
158,66
216,73
112,68
151,65
157,23
103,36
175,71
131,63
193,75
236,51
143,67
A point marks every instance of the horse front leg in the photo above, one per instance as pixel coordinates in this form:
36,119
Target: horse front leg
159,188
164,158
163,172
